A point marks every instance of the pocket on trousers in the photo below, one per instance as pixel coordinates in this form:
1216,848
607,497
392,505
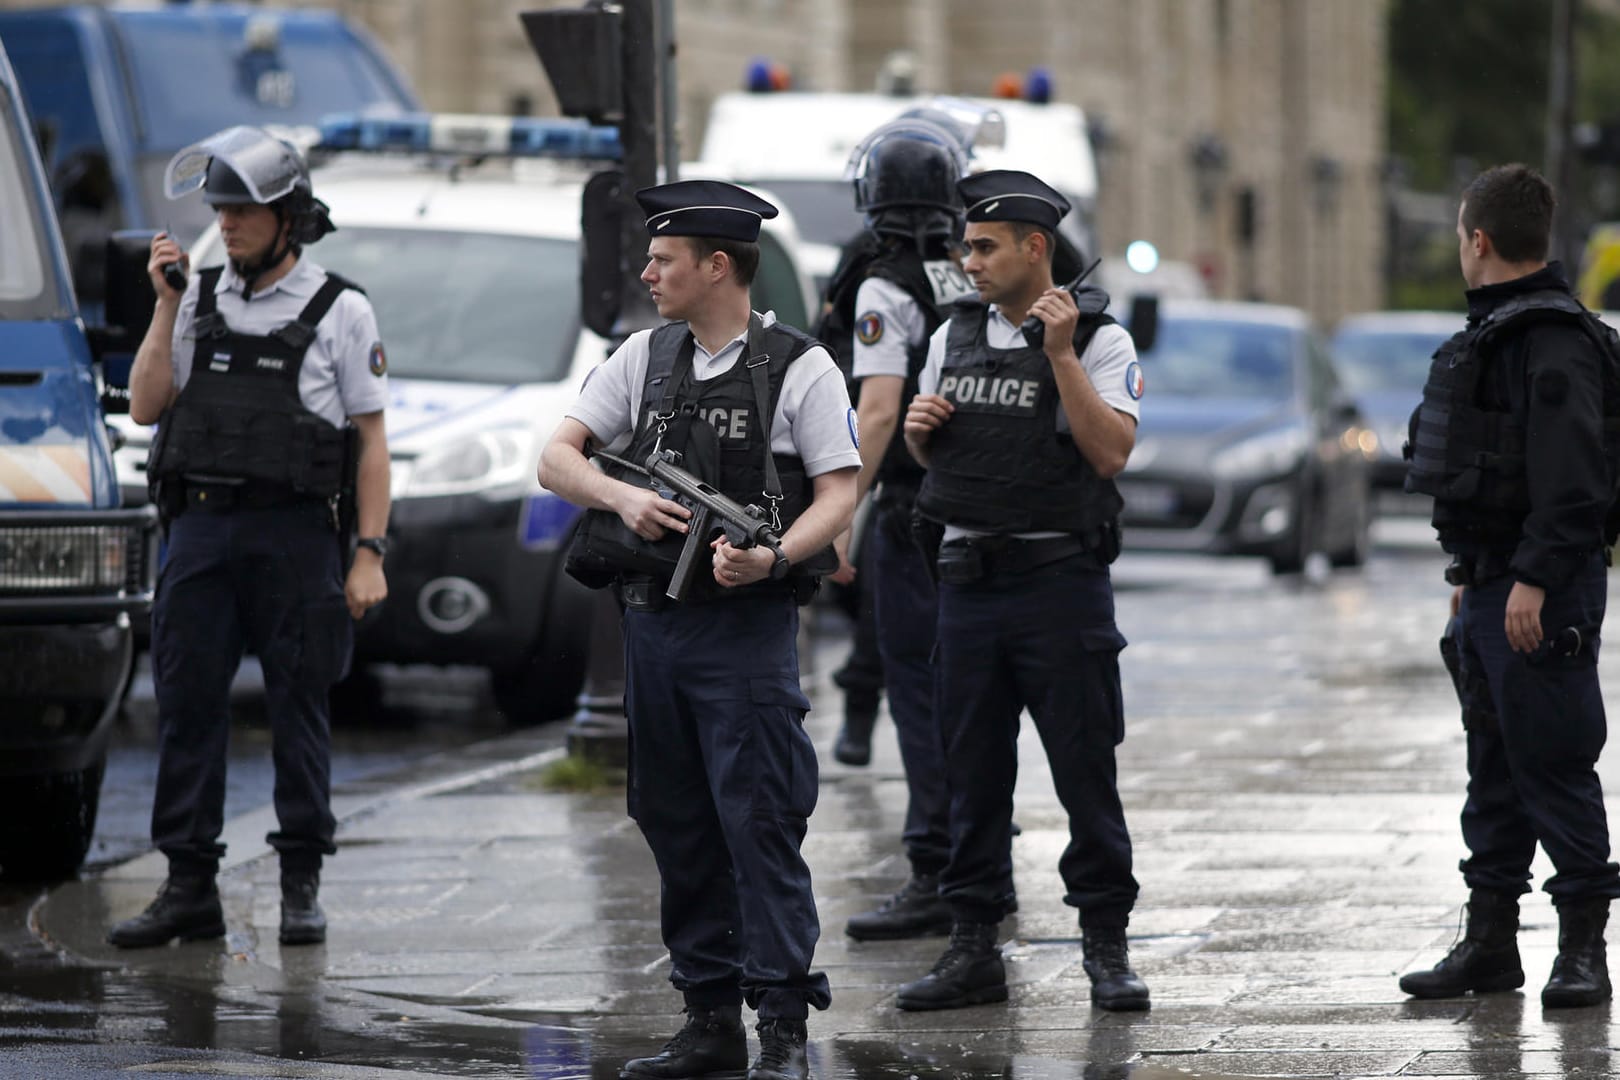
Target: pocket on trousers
1104,699
784,760
327,643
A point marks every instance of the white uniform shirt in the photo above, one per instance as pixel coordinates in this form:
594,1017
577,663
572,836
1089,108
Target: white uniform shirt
344,372
888,322
1109,362
813,420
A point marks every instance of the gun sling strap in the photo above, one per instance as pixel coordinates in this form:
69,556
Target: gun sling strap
757,361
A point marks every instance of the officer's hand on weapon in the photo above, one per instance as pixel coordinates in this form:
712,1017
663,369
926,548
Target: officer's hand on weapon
649,515
926,414
741,566
1057,309
366,586
166,253
1523,622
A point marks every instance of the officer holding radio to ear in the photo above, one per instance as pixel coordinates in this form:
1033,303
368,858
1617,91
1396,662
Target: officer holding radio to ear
1021,442
256,372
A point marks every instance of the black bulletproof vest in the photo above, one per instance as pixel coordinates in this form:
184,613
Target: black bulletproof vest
672,403
1000,464
899,471
239,416
1469,453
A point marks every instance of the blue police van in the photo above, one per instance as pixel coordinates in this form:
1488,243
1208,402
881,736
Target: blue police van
74,565
115,91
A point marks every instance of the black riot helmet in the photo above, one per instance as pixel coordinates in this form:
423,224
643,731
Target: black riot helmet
905,176
247,165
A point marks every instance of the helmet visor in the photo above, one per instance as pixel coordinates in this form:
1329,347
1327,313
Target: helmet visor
268,167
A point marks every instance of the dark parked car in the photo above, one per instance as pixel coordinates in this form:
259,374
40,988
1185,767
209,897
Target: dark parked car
1384,358
1249,442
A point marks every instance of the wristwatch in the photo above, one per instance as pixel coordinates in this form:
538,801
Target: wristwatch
779,568
379,544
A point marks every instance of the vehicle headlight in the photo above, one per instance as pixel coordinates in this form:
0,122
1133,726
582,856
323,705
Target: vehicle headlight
490,459
1267,454
44,558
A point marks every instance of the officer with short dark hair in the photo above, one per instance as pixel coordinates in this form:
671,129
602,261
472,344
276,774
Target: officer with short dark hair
722,775
1026,409
252,371
1518,441
892,300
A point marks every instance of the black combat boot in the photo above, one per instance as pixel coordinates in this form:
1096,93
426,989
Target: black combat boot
781,1051
1580,975
1107,960
186,907
712,1044
970,972
1485,960
915,911
854,743
302,920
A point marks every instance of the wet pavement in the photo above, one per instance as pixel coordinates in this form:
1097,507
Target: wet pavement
1292,775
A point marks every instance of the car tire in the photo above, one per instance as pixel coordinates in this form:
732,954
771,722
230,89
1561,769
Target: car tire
1356,550
545,685
1291,554
48,822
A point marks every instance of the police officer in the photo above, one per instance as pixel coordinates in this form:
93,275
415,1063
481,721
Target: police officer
252,370
1516,439
1026,408
905,176
722,775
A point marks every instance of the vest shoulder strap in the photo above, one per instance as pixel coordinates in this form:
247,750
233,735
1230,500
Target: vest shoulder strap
299,333
207,284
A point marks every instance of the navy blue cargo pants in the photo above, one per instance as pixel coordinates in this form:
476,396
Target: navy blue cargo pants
266,579
1532,767
907,610
722,782
1042,639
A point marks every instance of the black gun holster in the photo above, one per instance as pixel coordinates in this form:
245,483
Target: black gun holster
1473,690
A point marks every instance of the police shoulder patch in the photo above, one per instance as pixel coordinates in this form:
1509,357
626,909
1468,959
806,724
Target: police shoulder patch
854,430
379,360
1134,383
869,328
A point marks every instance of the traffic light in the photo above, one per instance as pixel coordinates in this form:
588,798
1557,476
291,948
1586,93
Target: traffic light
581,50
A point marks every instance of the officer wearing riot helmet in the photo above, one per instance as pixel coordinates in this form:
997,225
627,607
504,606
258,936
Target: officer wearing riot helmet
1026,408
904,175
722,775
1518,441
252,372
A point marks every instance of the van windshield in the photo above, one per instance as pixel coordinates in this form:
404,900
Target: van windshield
194,76
29,283
467,306
823,210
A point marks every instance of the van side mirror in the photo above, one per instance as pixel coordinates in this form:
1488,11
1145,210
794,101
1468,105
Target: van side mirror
1144,321
130,299
602,269
130,302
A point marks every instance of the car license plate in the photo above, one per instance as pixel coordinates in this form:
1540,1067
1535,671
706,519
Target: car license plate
1149,500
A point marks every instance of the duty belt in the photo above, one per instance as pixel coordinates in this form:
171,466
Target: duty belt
219,496
1477,569
970,559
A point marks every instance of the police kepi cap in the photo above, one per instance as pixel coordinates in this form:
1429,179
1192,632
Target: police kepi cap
1010,195
704,208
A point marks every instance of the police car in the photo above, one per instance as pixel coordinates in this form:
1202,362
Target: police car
465,234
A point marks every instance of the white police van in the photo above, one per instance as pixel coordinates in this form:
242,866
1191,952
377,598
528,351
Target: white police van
465,233
798,145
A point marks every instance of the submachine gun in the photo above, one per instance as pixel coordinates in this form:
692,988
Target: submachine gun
712,513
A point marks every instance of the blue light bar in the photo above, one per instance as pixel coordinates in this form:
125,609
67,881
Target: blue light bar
449,133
